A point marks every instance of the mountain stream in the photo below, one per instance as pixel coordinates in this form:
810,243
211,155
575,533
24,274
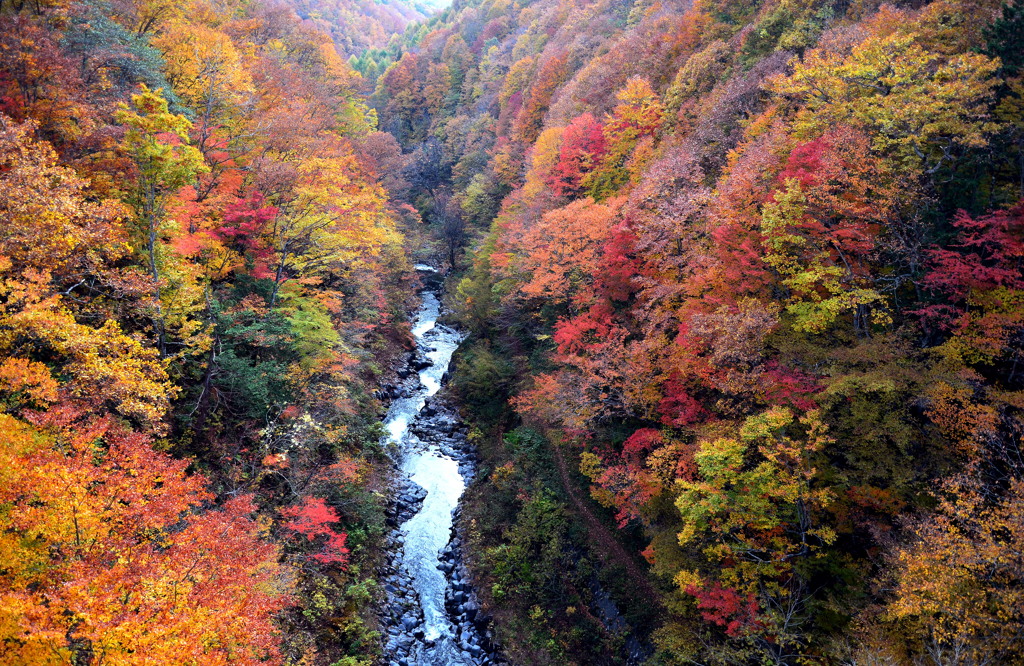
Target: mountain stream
431,617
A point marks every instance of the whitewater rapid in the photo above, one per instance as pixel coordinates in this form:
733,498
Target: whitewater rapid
427,638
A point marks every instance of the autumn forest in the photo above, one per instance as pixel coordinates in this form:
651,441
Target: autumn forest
736,286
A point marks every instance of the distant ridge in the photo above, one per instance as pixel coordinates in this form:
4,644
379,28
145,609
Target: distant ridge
357,25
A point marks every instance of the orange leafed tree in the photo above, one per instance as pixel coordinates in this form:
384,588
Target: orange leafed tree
564,249
109,553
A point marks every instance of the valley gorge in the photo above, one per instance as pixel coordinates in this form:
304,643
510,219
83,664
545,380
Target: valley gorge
511,332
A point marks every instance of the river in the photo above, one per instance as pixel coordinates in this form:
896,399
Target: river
425,570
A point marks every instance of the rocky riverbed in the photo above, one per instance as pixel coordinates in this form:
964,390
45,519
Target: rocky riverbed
431,615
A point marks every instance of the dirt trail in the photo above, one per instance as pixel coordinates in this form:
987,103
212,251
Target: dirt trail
608,547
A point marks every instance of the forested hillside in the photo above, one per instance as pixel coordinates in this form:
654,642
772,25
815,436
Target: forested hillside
201,284
358,25
743,285
752,273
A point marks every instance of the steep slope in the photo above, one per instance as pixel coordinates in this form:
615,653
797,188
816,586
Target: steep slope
755,269
202,282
